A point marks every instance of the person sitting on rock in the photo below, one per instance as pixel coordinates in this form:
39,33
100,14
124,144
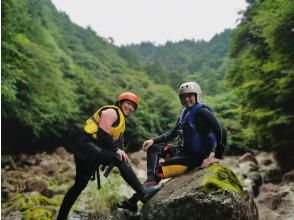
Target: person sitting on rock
200,136
101,143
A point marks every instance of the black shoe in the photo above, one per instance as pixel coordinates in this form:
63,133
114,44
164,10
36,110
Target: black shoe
127,204
149,191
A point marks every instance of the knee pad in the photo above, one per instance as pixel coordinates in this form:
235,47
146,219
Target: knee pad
173,170
168,151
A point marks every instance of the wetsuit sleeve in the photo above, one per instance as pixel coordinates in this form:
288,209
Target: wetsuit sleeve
214,125
164,138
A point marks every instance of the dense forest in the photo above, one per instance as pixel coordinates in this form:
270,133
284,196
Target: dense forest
55,74
262,76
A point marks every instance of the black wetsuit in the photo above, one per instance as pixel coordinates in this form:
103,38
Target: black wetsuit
89,153
206,122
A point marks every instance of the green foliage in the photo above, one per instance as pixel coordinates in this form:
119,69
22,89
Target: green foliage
55,74
130,56
263,76
173,63
101,202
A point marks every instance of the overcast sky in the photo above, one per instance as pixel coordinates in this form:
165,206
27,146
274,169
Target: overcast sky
158,21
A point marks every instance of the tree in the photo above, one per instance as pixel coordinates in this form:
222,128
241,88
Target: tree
263,76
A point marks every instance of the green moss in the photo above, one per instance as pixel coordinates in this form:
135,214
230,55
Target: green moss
38,213
220,177
33,205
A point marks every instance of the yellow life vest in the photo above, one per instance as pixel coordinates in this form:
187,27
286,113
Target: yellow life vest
92,123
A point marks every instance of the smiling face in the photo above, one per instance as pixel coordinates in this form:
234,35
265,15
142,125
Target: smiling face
188,99
127,107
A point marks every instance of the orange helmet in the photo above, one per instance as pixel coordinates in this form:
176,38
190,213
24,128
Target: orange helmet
129,96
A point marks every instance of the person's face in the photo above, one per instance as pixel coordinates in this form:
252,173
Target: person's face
127,107
188,99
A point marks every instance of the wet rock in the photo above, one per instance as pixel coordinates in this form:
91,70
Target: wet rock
269,187
284,204
5,193
36,185
22,157
139,159
25,160
288,177
247,167
7,162
62,153
124,215
265,158
77,215
266,162
248,157
49,166
16,215
271,200
276,202
49,193
138,163
212,193
256,182
272,173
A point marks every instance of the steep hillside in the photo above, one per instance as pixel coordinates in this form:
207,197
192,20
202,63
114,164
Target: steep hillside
55,74
174,63
263,77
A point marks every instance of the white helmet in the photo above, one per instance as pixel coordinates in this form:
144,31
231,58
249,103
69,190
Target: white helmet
190,87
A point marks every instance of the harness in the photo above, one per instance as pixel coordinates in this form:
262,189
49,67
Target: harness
96,173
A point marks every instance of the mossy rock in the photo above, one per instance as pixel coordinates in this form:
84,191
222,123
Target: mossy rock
38,213
211,193
33,206
219,177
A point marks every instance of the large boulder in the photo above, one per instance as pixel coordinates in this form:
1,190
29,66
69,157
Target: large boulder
212,193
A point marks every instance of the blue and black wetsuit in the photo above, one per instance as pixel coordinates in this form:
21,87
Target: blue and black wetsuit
202,134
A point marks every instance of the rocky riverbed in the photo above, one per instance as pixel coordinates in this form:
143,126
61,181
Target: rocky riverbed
32,186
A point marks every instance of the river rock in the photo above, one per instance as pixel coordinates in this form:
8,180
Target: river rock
49,166
248,157
212,193
272,173
288,177
276,202
36,185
